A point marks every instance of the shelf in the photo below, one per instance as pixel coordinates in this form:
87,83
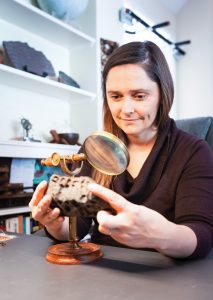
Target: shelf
41,23
27,81
22,149
22,195
14,210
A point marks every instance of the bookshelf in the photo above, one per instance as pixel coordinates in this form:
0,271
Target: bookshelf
14,211
25,150
72,48
22,149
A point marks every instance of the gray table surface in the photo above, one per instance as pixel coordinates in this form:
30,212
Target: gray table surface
120,274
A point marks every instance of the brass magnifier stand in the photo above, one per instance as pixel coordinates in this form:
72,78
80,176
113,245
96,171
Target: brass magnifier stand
106,153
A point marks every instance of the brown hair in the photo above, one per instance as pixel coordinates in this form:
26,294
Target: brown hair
149,56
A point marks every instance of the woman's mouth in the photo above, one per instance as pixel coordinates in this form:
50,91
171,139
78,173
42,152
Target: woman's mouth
131,119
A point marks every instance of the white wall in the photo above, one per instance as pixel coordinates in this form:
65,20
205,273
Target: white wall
154,12
195,70
107,27
16,103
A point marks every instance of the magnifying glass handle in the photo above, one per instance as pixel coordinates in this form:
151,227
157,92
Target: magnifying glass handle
56,158
47,162
52,161
76,157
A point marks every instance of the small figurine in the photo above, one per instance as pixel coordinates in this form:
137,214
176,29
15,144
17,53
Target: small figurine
27,126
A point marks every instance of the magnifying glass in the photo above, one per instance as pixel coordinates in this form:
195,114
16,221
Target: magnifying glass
103,150
107,154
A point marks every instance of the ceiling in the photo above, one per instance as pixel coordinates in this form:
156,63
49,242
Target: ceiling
174,5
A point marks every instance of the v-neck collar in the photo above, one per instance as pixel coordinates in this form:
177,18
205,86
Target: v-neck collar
150,172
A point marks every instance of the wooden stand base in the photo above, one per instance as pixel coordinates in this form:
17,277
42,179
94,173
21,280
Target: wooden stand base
66,254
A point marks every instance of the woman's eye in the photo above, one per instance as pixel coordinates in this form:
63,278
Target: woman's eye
115,97
140,96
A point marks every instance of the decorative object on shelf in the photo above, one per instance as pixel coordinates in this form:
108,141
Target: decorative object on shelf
64,78
1,56
17,199
65,138
23,57
109,155
4,173
11,194
27,126
10,188
63,9
107,47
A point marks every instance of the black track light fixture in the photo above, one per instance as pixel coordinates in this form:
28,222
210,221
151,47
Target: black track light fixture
129,17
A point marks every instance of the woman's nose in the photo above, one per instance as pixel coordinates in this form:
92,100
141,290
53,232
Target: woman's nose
127,107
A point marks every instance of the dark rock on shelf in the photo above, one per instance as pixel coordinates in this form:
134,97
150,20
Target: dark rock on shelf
64,78
21,56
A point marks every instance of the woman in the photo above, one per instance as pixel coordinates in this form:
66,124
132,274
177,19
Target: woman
164,200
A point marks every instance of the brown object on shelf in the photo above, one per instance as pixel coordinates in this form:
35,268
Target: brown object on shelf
10,195
12,187
4,168
4,173
9,199
56,138
1,56
69,138
4,178
65,138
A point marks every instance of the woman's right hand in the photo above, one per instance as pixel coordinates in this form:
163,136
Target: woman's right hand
41,211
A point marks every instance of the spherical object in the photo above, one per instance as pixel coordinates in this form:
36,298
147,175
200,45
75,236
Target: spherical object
63,9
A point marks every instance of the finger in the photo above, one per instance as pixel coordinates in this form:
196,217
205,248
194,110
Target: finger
54,223
104,223
104,230
44,204
42,208
105,219
111,223
38,194
115,200
55,213
52,216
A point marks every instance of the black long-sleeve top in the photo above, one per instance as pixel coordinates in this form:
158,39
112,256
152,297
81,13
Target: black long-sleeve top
176,180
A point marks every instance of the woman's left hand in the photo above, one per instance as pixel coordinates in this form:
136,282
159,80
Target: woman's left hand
134,225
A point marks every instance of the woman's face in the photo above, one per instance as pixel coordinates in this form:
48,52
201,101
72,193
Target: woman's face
133,99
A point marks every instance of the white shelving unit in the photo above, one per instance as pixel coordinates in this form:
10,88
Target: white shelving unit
14,211
24,80
39,22
70,50
22,149
46,103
